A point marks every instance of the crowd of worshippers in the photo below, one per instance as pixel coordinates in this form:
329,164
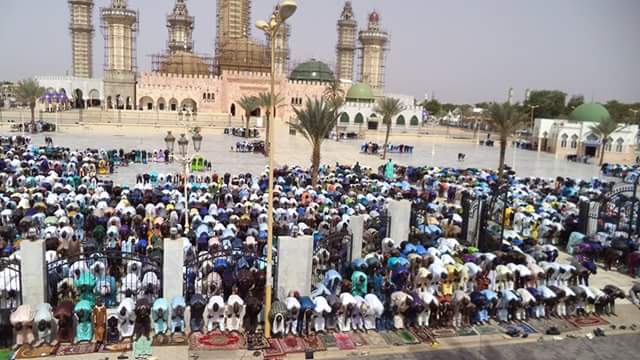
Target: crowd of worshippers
242,132
435,279
372,148
619,170
249,146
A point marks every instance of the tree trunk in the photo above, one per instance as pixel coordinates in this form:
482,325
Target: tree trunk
604,143
386,140
248,116
503,151
315,164
33,118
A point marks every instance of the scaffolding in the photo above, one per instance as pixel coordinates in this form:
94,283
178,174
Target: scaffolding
347,28
373,52
282,55
180,26
119,27
182,63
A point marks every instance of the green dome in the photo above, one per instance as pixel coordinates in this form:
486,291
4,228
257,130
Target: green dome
360,92
312,70
592,112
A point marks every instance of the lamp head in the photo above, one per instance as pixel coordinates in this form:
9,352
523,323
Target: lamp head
262,25
286,9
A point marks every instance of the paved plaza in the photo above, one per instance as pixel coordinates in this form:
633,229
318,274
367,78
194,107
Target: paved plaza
435,150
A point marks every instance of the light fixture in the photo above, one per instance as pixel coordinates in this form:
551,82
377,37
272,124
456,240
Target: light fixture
170,141
197,141
286,9
182,145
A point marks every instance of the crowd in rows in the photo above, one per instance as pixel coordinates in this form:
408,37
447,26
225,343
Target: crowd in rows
374,148
436,278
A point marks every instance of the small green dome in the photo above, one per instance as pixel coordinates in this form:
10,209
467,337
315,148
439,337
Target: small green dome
592,112
312,70
360,92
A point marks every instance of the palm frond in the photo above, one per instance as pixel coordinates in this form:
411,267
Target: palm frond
388,108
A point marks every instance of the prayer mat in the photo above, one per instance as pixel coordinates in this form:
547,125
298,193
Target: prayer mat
444,333
541,325
486,329
274,350
292,344
424,335
257,341
407,337
344,342
314,343
216,341
587,321
358,339
562,325
519,327
179,339
467,331
119,347
392,338
374,339
328,340
162,340
27,352
76,349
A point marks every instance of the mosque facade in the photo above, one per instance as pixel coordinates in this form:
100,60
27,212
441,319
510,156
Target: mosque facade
181,79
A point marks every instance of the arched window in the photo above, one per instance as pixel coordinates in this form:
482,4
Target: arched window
563,141
619,144
414,121
344,118
233,110
204,96
400,121
359,119
574,141
609,145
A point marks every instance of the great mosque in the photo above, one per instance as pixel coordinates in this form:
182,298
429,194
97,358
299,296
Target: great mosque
181,79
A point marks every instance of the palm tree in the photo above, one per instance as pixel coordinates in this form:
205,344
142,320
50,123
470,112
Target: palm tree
603,130
249,104
28,92
334,95
505,119
388,108
264,100
315,122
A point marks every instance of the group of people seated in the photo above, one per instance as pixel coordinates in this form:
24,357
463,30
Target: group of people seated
256,146
372,148
242,132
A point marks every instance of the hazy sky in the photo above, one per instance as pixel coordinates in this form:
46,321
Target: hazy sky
463,51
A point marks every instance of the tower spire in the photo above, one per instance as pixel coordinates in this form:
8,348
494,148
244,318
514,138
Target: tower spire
180,26
374,43
81,27
346,47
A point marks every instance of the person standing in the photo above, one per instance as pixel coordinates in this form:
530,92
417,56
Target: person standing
388,170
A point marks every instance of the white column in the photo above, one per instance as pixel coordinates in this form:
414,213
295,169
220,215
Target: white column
34,273
400,213
172,268
294,265
357,229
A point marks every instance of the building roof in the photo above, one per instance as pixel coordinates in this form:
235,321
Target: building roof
184,63
312,70
360,92
592,112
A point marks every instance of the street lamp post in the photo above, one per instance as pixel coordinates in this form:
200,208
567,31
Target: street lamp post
183,156
281,13
533,111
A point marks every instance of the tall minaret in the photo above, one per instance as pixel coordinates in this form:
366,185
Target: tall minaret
81,28
281,48
180,26
233,20
120,25
346,49
374,41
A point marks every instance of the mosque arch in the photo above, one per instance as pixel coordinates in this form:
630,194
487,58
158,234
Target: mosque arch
161,104
189,104
78,99
94,98
344,118
232,110
563,141
619,144
129,103
574,141
414,121
146,103
109,102
400,121
173,104
359,119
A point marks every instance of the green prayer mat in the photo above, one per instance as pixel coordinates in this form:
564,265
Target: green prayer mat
392,338
486,329
328,340
467,331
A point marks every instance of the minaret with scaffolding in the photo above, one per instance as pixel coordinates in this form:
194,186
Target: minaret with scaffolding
119,27
81,27
281,48
180,26
374,42
346,48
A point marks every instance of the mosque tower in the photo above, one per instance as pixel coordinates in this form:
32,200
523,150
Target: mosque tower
233,20
346,48
281,48
119,26
373,52
180,26
81,27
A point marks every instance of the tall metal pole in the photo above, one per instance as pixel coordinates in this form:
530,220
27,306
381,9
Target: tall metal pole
504,214
633,206
269,284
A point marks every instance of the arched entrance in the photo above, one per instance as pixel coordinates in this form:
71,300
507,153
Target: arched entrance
78,99
146,103
189,105
94,98
344,118
173,104
233,110
414,121
162,104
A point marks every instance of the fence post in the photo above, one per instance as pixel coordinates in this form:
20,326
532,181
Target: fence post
172,268
33,272
356,225
400,213
295,255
